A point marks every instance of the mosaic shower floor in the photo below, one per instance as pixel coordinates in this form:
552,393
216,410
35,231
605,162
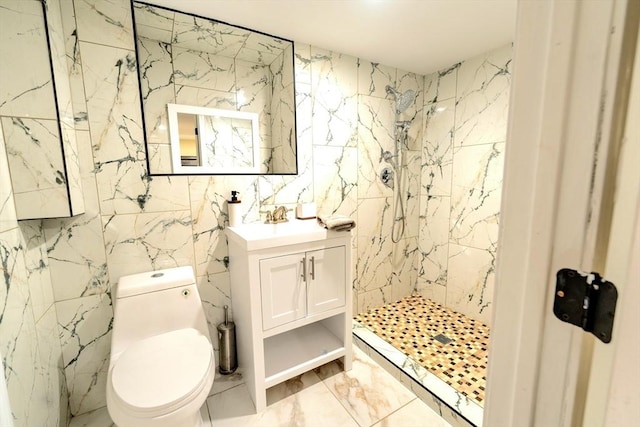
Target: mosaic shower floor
420,328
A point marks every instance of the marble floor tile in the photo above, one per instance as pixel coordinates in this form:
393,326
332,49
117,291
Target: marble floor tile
98,418
367,391
415,413
301,401
366,396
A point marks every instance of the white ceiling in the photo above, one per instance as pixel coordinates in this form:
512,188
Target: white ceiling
421,36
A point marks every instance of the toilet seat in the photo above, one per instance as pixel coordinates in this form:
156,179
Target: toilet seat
157,375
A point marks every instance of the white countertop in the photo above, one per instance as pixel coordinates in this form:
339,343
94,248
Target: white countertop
258,235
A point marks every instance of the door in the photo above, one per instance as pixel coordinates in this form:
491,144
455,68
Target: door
562,188
326,279
283,290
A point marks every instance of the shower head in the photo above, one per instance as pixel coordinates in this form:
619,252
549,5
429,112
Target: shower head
403,100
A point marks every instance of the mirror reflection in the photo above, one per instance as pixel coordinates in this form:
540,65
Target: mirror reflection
216,99
214,140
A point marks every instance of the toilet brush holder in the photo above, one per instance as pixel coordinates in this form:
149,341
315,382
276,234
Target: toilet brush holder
227,339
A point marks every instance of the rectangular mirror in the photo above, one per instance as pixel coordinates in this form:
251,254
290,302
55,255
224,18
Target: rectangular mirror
216,98
214,140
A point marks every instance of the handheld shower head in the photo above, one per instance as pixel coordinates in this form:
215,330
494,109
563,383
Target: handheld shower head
403,100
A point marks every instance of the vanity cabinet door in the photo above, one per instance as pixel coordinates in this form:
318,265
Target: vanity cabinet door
283,289
326,279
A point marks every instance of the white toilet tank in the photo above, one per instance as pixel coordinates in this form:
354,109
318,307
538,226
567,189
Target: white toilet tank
152,303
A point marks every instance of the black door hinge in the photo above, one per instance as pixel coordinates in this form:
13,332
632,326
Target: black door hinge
586,300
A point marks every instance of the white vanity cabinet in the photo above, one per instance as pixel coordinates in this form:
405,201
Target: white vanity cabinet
291,300
300,285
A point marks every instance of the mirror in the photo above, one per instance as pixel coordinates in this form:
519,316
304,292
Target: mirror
216,98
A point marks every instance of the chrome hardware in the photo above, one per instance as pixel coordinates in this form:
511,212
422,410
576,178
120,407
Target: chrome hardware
313,268
185,292
304,269
386,176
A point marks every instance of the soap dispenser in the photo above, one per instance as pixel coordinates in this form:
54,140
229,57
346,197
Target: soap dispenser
233,206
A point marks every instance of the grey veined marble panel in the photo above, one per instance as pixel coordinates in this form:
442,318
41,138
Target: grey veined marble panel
36,111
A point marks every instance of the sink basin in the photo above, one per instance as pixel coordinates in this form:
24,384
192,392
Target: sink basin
259,235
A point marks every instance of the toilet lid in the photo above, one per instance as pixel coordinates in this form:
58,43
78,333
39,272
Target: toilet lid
161,371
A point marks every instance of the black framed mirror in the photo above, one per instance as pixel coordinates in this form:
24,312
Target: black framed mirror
217,99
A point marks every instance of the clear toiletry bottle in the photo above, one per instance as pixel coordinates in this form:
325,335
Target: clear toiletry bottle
233,205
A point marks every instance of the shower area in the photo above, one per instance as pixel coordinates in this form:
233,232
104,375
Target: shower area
425,309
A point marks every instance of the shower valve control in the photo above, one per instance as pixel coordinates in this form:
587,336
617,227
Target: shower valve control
386,176
586,300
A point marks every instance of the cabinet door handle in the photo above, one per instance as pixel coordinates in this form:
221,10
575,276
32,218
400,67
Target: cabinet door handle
313,268
304,269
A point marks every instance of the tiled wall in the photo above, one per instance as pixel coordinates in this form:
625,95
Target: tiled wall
465,130
136,223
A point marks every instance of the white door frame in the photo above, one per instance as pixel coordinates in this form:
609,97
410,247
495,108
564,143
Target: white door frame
562,112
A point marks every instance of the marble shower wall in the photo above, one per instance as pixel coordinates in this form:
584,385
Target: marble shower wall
465,129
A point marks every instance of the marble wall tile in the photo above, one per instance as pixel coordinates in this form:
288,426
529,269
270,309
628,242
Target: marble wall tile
157,88
434,240
37,265
441,85
374,268
475,198
85,158
210,216
470,281
335,86
482,102
76,251
25,94
57,53
205,97
72,169
8,217
34,155
411,81
106,22
50,393
335,180
373,78
74,64
215,293
366,300
375,138
204,35
119,154
405,264
85,335
18,340
411,194
114,118
302,63
149,241
465,122
437,149
436,293
203,69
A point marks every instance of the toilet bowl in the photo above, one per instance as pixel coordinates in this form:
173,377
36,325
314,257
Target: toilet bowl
162,363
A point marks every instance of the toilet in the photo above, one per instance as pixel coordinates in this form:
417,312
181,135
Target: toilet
162,363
